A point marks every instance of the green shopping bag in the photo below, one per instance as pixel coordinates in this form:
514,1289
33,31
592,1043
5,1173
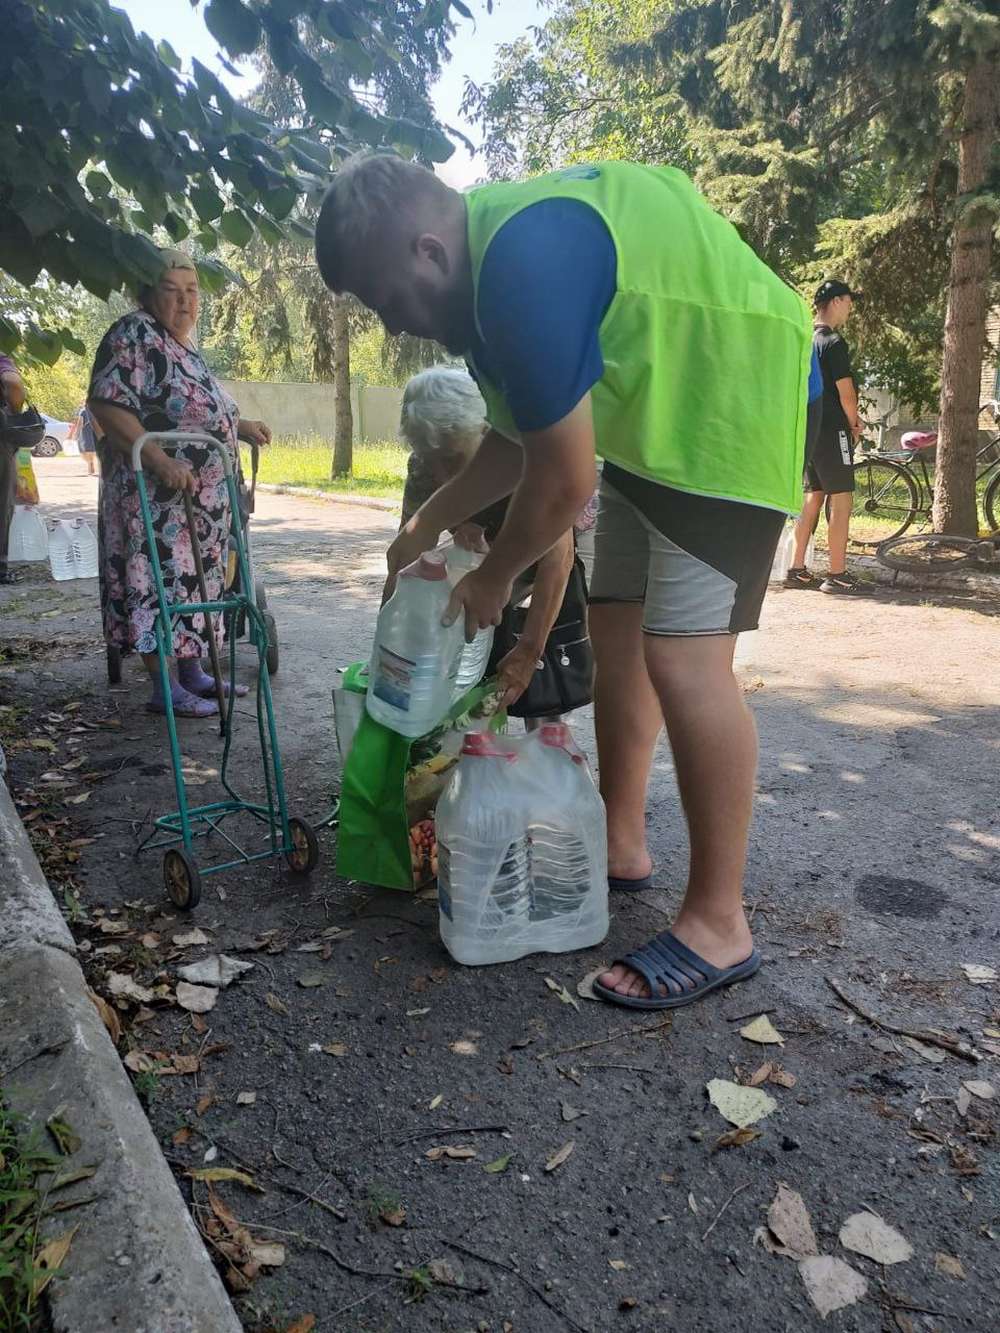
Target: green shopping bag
391,783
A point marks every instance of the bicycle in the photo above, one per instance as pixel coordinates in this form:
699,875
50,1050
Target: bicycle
896,488
936,553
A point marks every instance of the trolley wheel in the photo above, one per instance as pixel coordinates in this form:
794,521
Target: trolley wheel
114,665
271,656
182,879
260,594
304,855
991,503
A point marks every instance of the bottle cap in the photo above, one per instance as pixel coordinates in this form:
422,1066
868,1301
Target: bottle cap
488,745
430,566
560,737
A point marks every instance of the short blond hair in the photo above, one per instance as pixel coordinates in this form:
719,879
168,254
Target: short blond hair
370,192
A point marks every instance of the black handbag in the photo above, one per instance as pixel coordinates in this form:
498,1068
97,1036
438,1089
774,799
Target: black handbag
20,430
564,674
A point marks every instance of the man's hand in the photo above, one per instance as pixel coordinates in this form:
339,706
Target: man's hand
254,432
857,429
481,599
515,671
409,543
471,537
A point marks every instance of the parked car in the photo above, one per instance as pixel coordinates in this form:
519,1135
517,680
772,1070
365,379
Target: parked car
54,440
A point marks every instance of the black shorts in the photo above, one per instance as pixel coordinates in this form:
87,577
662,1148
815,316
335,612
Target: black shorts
830,464
696,564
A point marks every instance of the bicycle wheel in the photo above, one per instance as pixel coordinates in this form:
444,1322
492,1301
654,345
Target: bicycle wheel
886,501
991,503
927,553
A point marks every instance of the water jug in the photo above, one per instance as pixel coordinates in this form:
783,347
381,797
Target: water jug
411,680
522,847
28,538
72,550
484,892
475,655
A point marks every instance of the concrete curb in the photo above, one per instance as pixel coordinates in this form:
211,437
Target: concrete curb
332,497
972,581
137,1263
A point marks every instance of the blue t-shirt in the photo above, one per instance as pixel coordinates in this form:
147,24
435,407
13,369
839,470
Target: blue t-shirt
546,281
815,377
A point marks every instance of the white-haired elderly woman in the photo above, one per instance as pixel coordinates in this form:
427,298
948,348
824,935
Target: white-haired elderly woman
149,376
443,421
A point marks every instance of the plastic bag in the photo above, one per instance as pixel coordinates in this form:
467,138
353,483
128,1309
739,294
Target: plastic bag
25,485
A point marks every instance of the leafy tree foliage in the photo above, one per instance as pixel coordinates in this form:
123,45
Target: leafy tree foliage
104,138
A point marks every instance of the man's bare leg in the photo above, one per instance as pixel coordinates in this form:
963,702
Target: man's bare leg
714,742
805,526
841,505
627,720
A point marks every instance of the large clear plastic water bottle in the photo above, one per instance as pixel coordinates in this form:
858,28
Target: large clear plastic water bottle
526,801
475,655
567,838
411,680
484,894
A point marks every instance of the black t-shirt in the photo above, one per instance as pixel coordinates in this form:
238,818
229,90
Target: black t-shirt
834,364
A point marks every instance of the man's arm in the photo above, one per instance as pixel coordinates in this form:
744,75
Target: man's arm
492,472
516,669
849,402
558,479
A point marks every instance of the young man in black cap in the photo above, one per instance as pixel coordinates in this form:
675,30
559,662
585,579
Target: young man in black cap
829,463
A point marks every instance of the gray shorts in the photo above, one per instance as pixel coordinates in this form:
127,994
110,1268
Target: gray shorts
696,564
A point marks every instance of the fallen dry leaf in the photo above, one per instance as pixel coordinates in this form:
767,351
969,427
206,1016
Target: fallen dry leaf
782,1077
150,941
461,1152
585,986
464,1048
557,1158
124,987
868,1234
310,980
949,1265
393,1215
203,1103
762,1031
267,1253
305,1324
224,1173
789,1223
932,1054
445,1274
108,927
109,1016
190,938
50,1259
139,1062
182,1136
277,1005
979,974
435,1102
740,1106
246,1099
501,1164
979,1088
570,1113
736,1138
619,1265
963,1101
562,992
831,1283
335,1048
215,970
196,999
760,1075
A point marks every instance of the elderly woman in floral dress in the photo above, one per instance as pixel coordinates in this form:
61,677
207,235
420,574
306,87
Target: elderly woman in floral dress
149,376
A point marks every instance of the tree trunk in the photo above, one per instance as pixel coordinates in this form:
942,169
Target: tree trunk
343,417
955,507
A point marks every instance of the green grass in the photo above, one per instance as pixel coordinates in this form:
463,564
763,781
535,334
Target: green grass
379,469
22,1204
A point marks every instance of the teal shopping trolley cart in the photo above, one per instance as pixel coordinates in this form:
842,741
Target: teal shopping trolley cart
177,833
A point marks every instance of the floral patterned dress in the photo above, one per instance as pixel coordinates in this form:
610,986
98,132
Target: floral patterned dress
141,367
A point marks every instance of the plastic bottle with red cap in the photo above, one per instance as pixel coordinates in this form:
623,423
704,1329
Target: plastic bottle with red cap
522,848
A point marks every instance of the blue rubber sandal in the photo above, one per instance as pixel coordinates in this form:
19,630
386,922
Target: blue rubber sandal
618,885
666,962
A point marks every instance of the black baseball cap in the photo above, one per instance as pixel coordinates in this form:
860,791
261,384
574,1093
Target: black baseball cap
831,289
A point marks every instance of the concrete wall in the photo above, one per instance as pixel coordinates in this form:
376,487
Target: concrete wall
307,409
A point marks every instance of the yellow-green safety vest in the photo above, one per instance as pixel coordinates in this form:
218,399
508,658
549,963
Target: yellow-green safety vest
706,350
